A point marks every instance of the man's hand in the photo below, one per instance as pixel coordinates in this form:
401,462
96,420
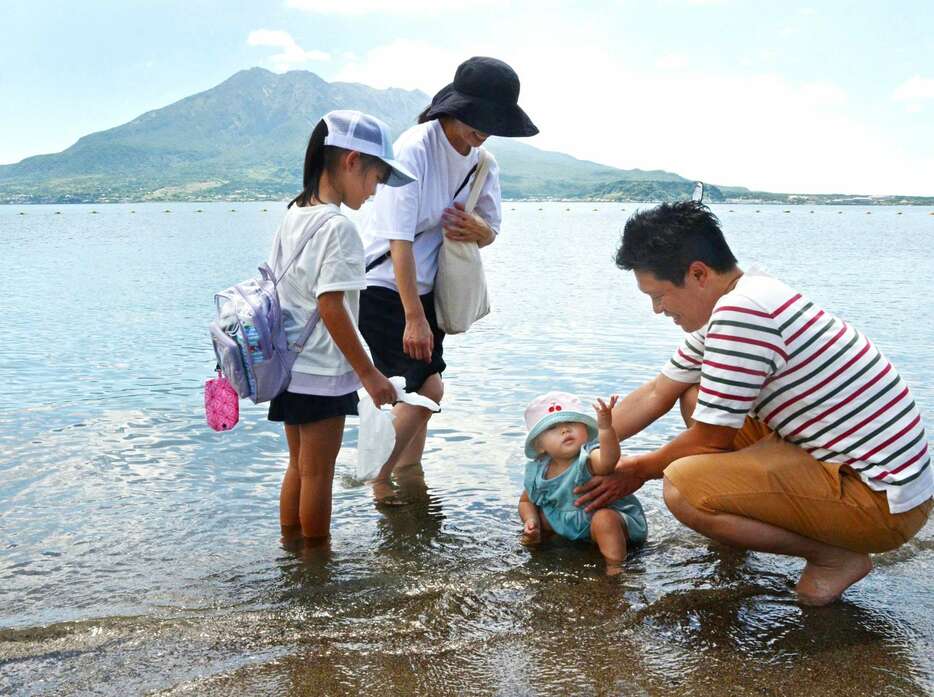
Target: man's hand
602,490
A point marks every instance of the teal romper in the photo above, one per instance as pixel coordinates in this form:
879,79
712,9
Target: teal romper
555,499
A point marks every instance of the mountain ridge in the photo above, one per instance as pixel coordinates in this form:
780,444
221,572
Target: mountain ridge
245,138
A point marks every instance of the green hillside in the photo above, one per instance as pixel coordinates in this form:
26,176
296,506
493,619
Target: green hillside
245,138
527,172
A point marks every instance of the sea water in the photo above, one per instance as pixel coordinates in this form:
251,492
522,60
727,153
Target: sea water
140,551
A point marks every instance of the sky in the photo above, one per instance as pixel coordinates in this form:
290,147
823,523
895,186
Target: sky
793,96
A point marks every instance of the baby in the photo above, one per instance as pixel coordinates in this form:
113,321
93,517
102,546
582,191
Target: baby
566,447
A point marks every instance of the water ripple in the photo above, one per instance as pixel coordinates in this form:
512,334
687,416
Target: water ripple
141,552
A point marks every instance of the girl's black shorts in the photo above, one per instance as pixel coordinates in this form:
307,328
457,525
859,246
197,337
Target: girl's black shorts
296,409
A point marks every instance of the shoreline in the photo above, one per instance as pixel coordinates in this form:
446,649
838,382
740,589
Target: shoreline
851,203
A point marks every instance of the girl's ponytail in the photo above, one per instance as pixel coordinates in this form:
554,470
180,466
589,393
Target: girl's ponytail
316,162
321,158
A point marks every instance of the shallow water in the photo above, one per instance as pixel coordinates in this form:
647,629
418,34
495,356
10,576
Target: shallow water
141,552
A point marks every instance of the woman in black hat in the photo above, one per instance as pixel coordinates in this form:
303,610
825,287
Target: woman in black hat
404,233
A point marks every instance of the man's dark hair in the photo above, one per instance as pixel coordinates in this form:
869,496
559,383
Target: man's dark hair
667,239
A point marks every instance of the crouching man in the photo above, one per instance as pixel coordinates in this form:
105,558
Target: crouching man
801,437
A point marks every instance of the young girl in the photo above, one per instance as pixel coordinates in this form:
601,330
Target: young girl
566,447
348,154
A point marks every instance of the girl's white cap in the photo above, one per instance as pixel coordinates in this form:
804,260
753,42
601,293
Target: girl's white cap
354,130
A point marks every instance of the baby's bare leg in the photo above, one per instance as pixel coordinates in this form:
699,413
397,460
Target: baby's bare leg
609,532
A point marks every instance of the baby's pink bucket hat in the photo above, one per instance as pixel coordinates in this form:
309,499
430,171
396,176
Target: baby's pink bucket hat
552,408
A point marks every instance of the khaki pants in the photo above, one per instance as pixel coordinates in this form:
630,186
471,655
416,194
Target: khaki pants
773,481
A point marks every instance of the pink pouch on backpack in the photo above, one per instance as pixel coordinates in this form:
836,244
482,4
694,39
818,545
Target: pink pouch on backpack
221,403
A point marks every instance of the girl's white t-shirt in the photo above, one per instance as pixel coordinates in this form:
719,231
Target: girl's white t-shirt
399,213
331,261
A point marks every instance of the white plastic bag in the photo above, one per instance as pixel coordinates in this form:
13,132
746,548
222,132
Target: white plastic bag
377,437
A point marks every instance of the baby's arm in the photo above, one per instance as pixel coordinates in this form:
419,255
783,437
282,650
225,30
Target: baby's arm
603,459
532,524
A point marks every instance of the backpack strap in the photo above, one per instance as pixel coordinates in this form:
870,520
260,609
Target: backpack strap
299,344
303,240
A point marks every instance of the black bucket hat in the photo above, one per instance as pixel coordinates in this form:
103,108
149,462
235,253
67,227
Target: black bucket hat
485,96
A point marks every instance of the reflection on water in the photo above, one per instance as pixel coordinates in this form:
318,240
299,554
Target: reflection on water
141,551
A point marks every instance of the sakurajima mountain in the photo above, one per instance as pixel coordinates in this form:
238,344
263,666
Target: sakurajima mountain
244,140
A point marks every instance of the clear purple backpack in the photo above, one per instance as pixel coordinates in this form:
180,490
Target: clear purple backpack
248,334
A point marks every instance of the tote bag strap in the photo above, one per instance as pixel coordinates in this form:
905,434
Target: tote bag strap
481,169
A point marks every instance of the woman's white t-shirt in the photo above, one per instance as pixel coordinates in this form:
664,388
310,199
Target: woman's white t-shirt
331,261
399,213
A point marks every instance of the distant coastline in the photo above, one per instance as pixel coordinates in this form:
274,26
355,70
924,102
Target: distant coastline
792,200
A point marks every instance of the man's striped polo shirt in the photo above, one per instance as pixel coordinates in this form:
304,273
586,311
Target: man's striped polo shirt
769,352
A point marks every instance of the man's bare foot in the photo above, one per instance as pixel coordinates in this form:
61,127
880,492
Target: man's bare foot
385,495
613,568
822,582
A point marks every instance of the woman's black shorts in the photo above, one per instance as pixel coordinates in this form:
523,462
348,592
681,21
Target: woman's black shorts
297,409
382,323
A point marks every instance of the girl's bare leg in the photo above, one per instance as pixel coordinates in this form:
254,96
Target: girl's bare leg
291,488
319,444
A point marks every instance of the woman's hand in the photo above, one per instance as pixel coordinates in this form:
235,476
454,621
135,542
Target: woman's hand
461,226
417,340
378,387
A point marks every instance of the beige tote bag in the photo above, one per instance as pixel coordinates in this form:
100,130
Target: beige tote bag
460,286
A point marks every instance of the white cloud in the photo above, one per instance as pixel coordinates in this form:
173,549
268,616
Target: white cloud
823,93
292,55
361,7
915,89
761,131
404,63
672,61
